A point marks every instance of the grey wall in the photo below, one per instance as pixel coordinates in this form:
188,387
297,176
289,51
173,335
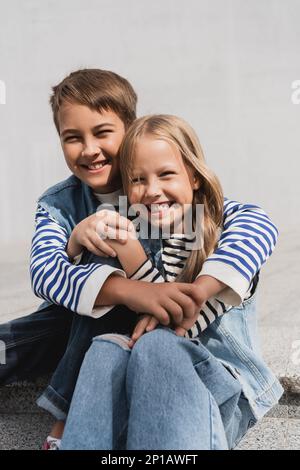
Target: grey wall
224,65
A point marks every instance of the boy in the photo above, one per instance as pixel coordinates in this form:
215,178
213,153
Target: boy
92,110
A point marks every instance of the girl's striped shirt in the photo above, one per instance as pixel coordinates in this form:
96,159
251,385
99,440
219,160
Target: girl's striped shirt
174,254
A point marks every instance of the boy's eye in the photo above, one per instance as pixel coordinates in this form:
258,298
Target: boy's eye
72,138
103,132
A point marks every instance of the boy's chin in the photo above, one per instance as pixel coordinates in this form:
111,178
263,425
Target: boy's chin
99,184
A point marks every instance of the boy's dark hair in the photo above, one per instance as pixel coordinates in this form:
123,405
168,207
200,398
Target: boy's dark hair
98,89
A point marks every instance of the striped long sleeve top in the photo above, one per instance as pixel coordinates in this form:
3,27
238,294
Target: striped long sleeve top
175,251
247,240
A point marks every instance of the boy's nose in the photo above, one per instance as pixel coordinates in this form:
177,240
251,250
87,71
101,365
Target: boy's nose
91,150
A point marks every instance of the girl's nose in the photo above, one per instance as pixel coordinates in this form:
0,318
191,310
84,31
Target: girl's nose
152,190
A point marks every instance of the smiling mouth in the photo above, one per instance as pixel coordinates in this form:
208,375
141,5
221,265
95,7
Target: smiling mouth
97,165
156,208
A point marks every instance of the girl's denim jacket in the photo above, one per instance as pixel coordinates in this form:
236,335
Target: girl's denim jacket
232,338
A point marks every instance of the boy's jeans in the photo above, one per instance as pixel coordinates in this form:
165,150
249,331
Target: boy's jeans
167,393
55,339
34,344
58,395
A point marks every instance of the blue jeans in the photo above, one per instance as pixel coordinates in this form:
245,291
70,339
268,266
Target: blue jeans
167,393
58,395
55,339
35,343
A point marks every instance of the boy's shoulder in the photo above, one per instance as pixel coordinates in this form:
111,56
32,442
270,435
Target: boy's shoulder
70,183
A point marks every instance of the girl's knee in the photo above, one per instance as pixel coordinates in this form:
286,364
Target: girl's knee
113,338
155,343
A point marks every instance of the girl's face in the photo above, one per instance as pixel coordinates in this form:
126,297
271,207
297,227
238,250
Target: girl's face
161,180
90,141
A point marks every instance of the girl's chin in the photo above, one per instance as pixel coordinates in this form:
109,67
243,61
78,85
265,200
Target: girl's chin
167,225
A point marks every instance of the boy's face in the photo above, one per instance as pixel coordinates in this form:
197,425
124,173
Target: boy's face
90,141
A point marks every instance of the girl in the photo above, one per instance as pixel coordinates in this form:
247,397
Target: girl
202,391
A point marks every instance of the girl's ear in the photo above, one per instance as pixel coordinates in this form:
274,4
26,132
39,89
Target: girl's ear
196,182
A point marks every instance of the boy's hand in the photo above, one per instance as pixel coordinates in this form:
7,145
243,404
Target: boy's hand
91,232
206,287
165,301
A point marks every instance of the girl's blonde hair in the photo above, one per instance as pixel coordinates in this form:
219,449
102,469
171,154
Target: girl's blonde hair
175,130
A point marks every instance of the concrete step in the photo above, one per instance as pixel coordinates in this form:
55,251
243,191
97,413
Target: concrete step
24,431
24,426
273,434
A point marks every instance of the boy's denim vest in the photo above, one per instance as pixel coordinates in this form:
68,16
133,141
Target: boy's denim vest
232,338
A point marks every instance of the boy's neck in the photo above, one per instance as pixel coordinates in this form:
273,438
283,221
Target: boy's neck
109,198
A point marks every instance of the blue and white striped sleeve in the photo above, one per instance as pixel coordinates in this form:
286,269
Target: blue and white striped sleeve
147,272
57,280
247,240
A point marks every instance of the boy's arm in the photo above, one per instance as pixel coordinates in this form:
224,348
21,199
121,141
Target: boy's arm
247,240
55,279
80,287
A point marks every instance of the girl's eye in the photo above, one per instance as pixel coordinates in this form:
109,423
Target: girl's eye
167,173
136,180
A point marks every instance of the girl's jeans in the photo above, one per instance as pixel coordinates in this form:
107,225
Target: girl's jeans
167,393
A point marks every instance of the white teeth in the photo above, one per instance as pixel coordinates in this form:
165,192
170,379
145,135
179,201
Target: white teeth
96,166
159,207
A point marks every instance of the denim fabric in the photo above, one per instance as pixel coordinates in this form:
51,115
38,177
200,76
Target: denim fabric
57,396
143,400
234,340
35,343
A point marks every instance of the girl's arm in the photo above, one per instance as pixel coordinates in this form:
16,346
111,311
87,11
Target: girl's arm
247,240
130,254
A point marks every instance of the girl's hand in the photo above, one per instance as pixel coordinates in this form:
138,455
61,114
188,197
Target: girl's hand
91,232
186,325
148,323
180,331
145,324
